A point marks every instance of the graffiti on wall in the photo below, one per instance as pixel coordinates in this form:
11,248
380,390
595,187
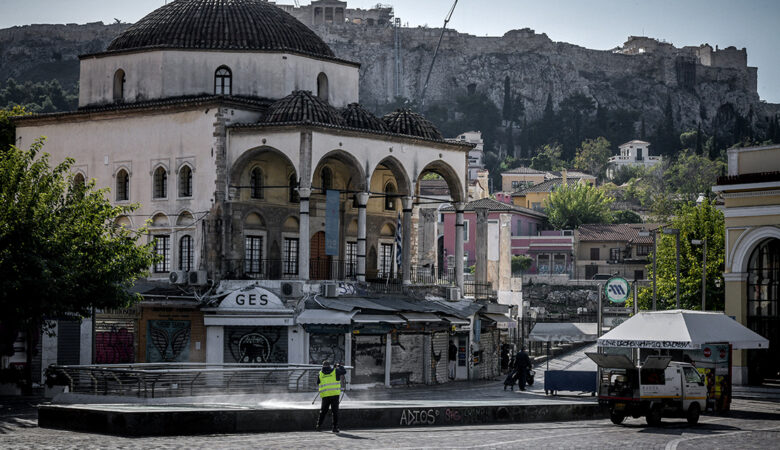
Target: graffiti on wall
168,341
257,345
326,347
114,346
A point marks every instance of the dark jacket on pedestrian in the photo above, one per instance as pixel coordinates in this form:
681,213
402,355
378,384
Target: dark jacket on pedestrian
340,371
522,361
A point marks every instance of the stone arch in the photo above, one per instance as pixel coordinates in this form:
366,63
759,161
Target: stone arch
254,220
185,219
160,181
349,160
240,172
387,230
79,180
124,221
403,183
184,179
322,87
748,242
352,228
450,176
291,225
160,220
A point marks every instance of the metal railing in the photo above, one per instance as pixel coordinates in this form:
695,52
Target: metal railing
261,269
154,380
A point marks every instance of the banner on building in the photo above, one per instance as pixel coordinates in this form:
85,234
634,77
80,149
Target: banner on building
332,222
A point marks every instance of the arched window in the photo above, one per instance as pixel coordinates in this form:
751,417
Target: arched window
185,253
390,197
160,183
119,85
322,87
78,181
256,183
293,183
326,177
122,185
185,181
223,81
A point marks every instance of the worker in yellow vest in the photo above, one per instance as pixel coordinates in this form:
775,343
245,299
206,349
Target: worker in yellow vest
329,382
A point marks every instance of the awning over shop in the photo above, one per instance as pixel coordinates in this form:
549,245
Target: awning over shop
563,332
455,320
498,318
420,317
377,318
240,321
324,316
681,329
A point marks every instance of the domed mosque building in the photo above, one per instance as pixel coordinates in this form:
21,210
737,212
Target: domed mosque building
240,135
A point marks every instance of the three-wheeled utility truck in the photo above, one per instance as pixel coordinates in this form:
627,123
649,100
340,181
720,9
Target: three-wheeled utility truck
657,388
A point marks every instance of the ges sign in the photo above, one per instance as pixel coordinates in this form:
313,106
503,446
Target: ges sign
253,298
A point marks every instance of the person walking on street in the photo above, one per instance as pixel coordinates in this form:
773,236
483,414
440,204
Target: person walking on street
522,366
329,382
452,358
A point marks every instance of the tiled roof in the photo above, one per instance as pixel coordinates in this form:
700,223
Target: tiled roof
356,116
302,106
614,233
496,206
405,121
223,25
184,101
635,142
547,185
523,170
434,187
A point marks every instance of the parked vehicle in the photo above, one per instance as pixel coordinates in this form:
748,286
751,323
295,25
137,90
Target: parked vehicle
658,388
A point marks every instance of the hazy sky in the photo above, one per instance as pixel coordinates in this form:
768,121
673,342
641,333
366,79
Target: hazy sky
598,24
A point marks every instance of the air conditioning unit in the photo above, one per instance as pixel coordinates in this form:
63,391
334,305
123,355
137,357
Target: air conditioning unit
198,278
453,294
178,277
292,289
330,290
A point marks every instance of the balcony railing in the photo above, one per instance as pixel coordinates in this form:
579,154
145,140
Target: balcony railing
261,269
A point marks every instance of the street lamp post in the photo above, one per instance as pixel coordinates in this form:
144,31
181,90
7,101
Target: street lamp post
703,243
645,233
676,233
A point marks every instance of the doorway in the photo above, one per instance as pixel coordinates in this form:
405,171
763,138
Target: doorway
319,264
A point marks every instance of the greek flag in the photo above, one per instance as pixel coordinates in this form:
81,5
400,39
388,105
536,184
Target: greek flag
398,244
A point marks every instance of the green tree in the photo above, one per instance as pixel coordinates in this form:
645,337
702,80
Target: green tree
691,175
568,207
593,156
626,216
548,157
7,130
700,222
60,249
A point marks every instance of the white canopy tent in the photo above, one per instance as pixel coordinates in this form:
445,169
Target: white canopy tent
682,330
563,332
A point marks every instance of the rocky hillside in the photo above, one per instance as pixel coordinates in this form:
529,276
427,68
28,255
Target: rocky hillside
536,66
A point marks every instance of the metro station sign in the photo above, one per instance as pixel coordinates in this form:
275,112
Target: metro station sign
617,290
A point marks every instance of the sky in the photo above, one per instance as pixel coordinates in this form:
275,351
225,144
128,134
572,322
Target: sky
596,24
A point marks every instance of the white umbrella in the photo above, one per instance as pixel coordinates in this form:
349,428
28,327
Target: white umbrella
681,329
563,332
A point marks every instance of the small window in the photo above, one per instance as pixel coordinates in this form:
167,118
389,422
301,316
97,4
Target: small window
78,181
256,183
639,275
465,231
290,256
122,185
326,177
185,182
322,87
293,183
594,254
162,248
253,254
160,183
119,85
223,81
642,250
185,253
614,254
390,194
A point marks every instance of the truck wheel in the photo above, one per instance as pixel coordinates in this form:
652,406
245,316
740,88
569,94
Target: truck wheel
654,416
693,413
616,417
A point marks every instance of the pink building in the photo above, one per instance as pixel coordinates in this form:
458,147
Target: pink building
527,224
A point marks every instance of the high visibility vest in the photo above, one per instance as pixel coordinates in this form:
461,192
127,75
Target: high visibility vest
329,385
